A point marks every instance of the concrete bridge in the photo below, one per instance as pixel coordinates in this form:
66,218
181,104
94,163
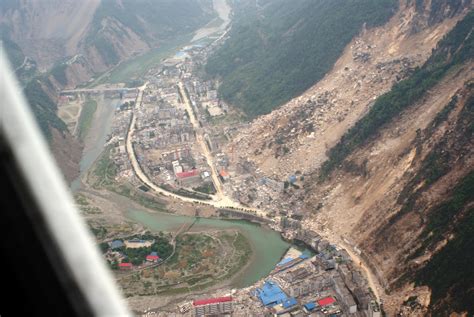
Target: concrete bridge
96,90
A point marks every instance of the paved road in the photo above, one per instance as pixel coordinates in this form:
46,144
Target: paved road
218,201
360,263
202,142
221,200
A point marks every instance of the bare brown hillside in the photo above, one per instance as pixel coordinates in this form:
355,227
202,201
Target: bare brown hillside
67,151
49,30
360,204
305,128
381,201
77,40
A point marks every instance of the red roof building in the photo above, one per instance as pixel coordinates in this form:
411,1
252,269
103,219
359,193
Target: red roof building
212,301
187,174
152,258
326,301
125,266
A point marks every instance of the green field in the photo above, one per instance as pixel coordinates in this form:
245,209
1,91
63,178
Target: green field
200,261
104,170
85,120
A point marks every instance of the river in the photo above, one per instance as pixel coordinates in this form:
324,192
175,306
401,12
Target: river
223,10
96,136
267,245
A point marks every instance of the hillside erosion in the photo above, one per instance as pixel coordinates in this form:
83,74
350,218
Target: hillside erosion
391,127
305,128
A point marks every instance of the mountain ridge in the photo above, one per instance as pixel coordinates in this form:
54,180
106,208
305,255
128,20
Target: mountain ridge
283,48
82,39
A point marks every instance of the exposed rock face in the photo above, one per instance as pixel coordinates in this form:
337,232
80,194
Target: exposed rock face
311,124
47,31
382,198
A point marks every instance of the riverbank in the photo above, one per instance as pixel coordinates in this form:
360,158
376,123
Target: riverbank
127,213
200,260
119,215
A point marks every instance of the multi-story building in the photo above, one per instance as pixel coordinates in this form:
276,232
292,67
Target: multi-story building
213,306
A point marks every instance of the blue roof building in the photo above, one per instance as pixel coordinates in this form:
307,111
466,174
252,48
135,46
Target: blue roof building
292,179
310,306
116,244
304,256
284,261
271,294
289,302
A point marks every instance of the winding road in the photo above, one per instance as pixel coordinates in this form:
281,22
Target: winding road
218,201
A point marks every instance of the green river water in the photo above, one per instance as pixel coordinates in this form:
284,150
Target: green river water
267,245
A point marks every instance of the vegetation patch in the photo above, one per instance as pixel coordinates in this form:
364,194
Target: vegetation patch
85,119
104,170
200,261
206,188
59,73
446,215
43,108
278,50
159,243
449,273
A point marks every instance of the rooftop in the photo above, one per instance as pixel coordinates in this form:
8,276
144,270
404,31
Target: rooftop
187,174
326,301
271,294
212,300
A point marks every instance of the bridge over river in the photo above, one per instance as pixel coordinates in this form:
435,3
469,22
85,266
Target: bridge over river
96,90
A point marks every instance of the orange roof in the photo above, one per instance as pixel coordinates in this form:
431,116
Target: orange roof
224,173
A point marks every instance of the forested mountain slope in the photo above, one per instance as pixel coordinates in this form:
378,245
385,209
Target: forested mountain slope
41,96
278,49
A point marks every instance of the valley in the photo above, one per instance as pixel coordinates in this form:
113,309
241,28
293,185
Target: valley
259,157
127,174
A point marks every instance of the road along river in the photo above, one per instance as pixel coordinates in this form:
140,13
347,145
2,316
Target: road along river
267,245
